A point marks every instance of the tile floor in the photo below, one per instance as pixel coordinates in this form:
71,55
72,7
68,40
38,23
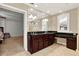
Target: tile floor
14,47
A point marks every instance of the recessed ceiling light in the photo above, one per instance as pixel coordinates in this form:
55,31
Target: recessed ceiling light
60,11
36,5
31,9
48,11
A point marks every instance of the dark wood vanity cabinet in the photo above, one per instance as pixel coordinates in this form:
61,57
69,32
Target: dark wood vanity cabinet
72,43
71,39
38,42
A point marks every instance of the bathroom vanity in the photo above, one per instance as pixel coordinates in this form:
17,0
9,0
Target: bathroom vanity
43,39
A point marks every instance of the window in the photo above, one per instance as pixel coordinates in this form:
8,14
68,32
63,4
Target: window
44,24
63,22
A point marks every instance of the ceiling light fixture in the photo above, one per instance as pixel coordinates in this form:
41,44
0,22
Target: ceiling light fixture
60,11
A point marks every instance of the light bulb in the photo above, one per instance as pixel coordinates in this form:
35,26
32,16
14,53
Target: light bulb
30,16
34,17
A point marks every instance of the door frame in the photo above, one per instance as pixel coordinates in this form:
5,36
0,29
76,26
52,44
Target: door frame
18,10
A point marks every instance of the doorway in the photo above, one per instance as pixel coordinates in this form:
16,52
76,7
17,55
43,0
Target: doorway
13,27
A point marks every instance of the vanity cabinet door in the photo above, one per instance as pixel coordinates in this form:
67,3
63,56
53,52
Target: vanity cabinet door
40,42
51,39
72,43
34,43
46,41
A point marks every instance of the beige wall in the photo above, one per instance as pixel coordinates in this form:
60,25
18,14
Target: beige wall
78,28
52,23
72,21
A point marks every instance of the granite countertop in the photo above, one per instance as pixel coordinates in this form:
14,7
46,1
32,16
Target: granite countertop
42,32
50,32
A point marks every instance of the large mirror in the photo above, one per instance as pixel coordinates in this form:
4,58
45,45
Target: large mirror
45,25
35,19
63,22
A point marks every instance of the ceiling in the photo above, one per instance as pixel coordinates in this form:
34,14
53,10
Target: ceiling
42,9
54,8
35,15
